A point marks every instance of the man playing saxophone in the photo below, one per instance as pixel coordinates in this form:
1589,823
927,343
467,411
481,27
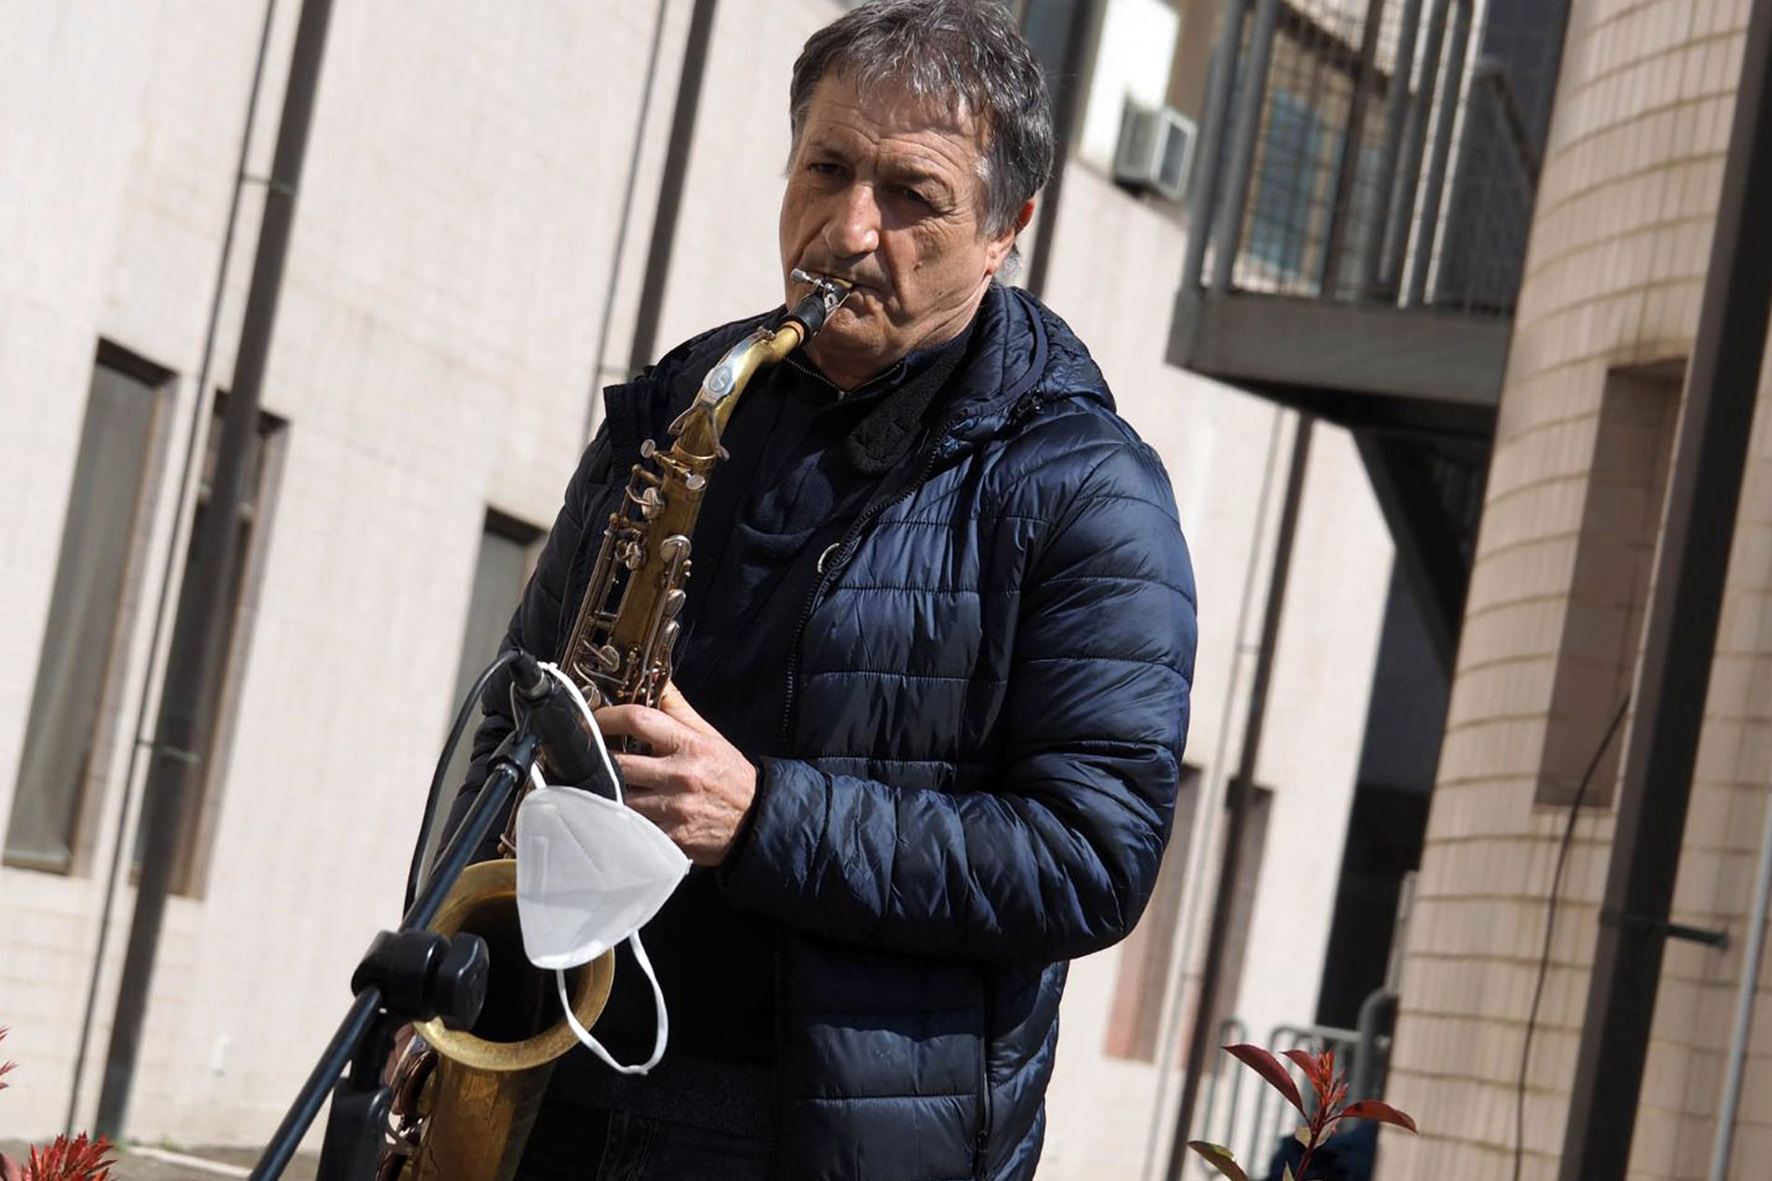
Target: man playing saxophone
931,686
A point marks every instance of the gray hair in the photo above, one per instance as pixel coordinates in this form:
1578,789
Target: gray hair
952,52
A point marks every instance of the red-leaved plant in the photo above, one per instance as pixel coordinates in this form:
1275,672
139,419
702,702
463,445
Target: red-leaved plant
79,1159
1330,1108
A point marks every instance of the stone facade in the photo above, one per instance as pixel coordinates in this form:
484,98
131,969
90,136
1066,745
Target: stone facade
1606,320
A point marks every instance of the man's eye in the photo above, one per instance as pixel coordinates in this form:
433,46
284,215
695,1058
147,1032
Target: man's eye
825,168
913,196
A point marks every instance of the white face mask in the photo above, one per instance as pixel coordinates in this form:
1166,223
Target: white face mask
590,873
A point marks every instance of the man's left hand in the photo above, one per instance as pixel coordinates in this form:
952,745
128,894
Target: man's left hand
693,784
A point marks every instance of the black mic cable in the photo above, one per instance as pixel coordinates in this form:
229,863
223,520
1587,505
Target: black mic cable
571,747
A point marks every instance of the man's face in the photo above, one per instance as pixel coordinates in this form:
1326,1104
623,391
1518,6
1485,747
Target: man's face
886,192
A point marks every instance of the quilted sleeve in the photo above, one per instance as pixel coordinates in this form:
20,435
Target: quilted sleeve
1060,858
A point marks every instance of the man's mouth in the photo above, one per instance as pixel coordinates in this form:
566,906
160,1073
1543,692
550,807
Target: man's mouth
856,285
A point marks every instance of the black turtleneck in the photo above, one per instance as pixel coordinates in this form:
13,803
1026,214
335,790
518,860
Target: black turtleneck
806,459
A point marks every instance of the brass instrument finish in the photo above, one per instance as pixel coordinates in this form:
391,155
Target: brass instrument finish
468,1099
620,647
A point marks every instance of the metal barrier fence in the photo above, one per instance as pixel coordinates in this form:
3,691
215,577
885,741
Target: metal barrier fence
1254,1127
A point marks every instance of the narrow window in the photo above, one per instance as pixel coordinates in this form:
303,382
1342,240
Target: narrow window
1609,590
1236,942
72,720
1135,1019
218,695
508,549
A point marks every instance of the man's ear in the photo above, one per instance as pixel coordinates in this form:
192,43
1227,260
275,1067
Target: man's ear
1001,246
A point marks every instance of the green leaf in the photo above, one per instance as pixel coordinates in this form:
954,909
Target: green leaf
1220,1158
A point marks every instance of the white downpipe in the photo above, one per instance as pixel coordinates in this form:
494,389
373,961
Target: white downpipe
1744,1009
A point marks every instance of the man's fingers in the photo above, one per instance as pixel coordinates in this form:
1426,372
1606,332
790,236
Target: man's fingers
665,809
650,805
673,704
644,773
656,729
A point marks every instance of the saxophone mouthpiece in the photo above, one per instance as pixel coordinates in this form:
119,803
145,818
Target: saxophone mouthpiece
827,296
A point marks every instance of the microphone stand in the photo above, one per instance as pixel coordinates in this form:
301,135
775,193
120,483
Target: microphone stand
407,975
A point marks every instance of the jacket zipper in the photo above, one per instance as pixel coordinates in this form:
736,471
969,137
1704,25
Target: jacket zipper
981,1158
1027,407
845,550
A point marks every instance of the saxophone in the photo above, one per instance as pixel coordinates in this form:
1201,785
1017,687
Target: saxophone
466,1099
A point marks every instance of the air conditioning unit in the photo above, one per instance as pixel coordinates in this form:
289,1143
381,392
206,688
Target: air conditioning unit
1155,150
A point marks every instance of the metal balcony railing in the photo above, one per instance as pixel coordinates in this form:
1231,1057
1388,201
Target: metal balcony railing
1349,160
1350,155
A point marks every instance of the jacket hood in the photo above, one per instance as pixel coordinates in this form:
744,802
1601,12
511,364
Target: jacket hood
1023,357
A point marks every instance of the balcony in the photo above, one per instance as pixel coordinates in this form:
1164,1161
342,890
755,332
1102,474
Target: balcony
1363,188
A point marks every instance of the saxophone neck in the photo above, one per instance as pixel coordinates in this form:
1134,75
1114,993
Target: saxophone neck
698,429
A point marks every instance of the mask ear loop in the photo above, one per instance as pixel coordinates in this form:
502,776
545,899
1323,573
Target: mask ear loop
595,1046
640,957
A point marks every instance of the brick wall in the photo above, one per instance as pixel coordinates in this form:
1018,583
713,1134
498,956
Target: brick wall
1614,272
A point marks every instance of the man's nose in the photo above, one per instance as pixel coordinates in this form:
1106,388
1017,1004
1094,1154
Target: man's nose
855,229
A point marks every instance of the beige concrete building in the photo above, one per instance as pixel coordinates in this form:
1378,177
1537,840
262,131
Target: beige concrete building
452,265
1605,325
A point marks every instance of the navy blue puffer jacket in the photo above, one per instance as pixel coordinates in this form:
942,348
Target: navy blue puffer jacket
988,704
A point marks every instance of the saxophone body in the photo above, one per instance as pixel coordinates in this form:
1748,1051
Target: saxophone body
620,647
466,1099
